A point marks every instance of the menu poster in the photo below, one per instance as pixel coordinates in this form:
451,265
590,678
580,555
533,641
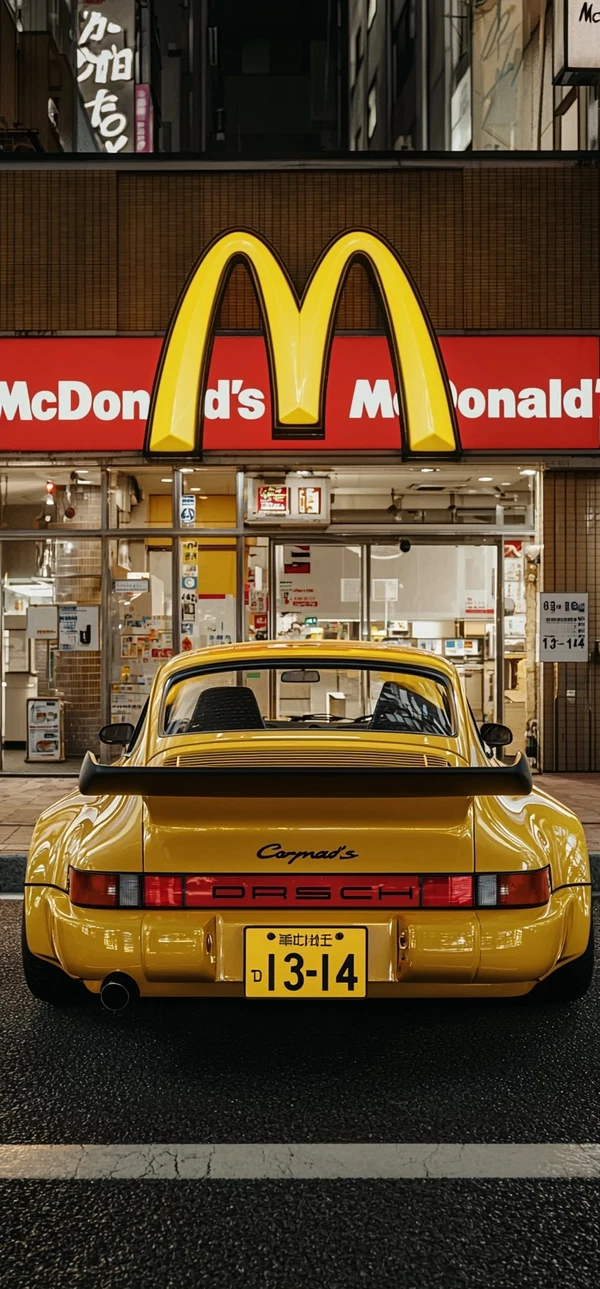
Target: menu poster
45,741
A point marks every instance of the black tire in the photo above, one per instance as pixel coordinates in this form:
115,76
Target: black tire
570,982
49,983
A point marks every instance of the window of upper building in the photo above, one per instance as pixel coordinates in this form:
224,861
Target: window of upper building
372,109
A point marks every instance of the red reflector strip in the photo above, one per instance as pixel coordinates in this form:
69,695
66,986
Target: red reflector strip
310,891
163,892
447,892
524,889
93,890
223,891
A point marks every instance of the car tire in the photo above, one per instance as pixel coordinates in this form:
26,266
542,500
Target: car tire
570,982
49,983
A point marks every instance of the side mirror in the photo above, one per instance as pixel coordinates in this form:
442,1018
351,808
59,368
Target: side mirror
496,735
122,734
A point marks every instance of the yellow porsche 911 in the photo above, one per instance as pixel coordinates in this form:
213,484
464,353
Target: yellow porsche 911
296,820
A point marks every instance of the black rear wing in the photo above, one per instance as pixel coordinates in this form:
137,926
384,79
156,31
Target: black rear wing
289,781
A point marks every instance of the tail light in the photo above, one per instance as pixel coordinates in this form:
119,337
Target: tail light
104,890
525,889
449,892
162,892
97,890
522,889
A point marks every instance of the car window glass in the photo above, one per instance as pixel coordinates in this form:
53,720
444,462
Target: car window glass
396,701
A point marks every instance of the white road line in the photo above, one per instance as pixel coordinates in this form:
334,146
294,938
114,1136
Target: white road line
254,1162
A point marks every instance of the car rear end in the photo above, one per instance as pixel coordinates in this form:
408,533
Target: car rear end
321,857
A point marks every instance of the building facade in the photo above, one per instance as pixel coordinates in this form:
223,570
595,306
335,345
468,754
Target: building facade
458,75
114,555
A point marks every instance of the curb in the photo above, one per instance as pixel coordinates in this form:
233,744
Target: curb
12,872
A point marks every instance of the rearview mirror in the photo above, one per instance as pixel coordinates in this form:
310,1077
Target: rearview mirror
112,734
300,676
496,735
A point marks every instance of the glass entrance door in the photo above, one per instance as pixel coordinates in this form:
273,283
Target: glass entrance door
51,653
317,591
441,598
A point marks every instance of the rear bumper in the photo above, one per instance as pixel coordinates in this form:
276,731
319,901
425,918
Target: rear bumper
421,953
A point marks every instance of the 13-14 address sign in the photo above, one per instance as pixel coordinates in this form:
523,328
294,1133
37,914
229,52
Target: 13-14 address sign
563,626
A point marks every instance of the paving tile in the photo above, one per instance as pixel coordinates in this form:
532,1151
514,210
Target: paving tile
592,837
20,837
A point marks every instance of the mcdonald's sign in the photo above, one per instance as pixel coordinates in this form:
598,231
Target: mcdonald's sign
299,334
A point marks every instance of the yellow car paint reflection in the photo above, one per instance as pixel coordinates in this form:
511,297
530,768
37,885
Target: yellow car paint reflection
469,888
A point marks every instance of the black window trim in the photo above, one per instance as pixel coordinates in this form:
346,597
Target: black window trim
138,728
330,664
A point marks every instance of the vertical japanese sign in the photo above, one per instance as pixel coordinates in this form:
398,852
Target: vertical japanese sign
105,71
144,119
563,626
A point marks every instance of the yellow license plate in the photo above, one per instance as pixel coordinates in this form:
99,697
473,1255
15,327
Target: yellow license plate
305,962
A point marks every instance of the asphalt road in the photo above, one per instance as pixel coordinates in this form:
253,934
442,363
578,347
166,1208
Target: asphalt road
235,1072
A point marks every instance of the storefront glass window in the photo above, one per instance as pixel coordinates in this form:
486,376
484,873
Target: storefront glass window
141,604
208,591
50,498
140,498
441,598
52,691
257,600
318,588
207,498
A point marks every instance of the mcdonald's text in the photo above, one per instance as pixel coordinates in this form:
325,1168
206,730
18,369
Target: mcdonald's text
512,393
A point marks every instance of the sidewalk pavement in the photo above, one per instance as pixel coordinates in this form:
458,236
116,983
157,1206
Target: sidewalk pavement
22,801
581,793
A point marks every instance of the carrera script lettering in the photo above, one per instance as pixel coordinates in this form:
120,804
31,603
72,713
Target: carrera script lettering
274,850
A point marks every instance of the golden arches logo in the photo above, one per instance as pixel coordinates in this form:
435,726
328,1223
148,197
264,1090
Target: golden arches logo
299,334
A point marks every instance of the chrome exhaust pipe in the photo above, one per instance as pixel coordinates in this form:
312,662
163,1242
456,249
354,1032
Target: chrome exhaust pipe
118,991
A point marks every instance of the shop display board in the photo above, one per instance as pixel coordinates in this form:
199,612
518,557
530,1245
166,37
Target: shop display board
45,729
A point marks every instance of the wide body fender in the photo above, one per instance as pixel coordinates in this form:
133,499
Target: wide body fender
101,834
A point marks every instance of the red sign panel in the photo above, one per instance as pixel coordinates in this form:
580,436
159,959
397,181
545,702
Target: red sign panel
512,393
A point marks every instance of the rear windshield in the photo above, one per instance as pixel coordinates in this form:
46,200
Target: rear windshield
314,695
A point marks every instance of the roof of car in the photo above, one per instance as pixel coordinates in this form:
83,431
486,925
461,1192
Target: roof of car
290,650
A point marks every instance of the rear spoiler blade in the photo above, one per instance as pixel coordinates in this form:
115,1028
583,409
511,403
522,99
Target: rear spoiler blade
287,781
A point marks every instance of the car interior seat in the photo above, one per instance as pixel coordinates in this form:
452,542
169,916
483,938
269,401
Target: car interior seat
225,707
